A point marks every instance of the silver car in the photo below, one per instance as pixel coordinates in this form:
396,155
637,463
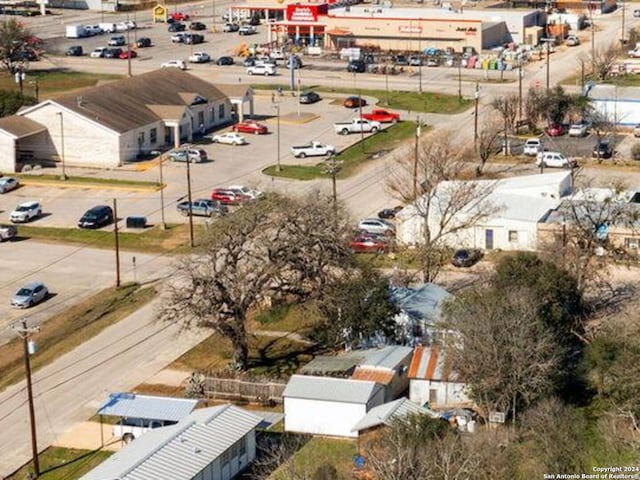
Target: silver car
8,183
29,295
377,225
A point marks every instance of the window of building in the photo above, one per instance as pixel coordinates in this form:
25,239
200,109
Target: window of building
221,111
513,235
200,118
242,445
153,136
140,138
167,134
234,450
213,115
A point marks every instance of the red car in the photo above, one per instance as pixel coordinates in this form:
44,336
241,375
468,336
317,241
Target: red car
370,244
250,126
179,16
382,116
125,54
355,102
228,197
556,130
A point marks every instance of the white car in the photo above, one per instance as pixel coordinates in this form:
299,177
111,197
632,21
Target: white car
533,146
25,212
98,52
554,160
246,191
199,57
229,138
262,69
174,64
377,225
247,30
178,37
578,130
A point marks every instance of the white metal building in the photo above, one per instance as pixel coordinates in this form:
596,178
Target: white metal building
210,444
433,380
387,366
619,105
328,406
514,207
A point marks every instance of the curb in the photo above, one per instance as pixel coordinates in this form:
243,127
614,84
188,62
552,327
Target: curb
89,185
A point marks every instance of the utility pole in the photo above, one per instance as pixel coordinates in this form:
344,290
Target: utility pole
117,241
191,241
213,15
64,170
520,90
420,71
36,89
29,348
623,40
476,97
593,41
164,224
277,107
416,155
128,49
460,81
361,127
548,53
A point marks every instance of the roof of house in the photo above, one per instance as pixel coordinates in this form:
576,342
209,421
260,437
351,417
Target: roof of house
383,377
19,127
384,414
431,363
181,451
388,357
423,302
124,105
343,363
147,406
330,389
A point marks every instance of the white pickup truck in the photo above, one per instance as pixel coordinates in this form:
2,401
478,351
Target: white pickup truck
313,149
356,125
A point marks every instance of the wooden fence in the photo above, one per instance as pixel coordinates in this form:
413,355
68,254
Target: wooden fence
251,390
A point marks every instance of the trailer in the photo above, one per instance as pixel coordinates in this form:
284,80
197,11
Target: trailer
76,31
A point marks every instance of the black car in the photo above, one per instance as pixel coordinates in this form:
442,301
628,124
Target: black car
225,61
602,149
96,217
389,212
197,26
295,61
356,66
74,51
249,61
25,55
177,27
401,60
143,42
466,257
309,97
193,38
112,53
254,20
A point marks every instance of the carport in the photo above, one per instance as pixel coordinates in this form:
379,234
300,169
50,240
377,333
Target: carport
19,139
238,95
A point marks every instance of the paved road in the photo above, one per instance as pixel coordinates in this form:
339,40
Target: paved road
70,389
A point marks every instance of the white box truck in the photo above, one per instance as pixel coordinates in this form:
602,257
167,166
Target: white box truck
76,31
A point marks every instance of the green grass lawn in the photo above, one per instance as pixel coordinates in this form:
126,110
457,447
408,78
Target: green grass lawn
63,464
621,81
427,102
353,157
55,82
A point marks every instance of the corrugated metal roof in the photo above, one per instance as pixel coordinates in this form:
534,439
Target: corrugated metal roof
430,363
341,363
387,357
382,377
423,302
181,451
384,414
330,389
147,406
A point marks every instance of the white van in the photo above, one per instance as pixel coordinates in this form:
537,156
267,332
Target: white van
108,27
554,159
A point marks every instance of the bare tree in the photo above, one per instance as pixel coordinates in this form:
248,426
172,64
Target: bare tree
14,39
274,248
507,107
276,451
535,105
441,203
488,143
604,58
504,353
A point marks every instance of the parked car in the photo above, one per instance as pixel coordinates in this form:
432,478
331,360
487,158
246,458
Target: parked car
382,116
93,29
365,243
247,30
636,13
355,102
26,212
556,130
197,26
179,16
193,155
229,138
29,295
313,149
117,41
193,38
554,160
386,213
356,66
602,149
309,97
578,130
377,225
572,41
74,51
178,37
466,257
143,42
415,61
250,126
8,183
432,62
228,197
112,53
401,60
174,64
533,146
176,27
263,69
356,125
250,61
96,217
7,232
202,207
128,54
98,52
199,57
225,61
636,131
230,27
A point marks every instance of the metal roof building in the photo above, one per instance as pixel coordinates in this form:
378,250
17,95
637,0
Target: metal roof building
330,389
147,406
212,443
385,414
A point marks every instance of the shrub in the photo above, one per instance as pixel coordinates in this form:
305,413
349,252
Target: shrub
635,151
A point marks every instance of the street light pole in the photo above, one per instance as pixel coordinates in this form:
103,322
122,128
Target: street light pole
117,241
476,96
213,15
64,170
623,40
277,107
548,53
191,241
416,155
164,224
128,49
460,80
24,332
520,90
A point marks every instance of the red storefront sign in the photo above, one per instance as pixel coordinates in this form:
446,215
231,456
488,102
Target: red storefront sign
305,13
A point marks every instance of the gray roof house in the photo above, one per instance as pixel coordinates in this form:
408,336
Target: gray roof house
212,443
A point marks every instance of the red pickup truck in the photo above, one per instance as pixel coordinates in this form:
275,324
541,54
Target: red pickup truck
382,116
